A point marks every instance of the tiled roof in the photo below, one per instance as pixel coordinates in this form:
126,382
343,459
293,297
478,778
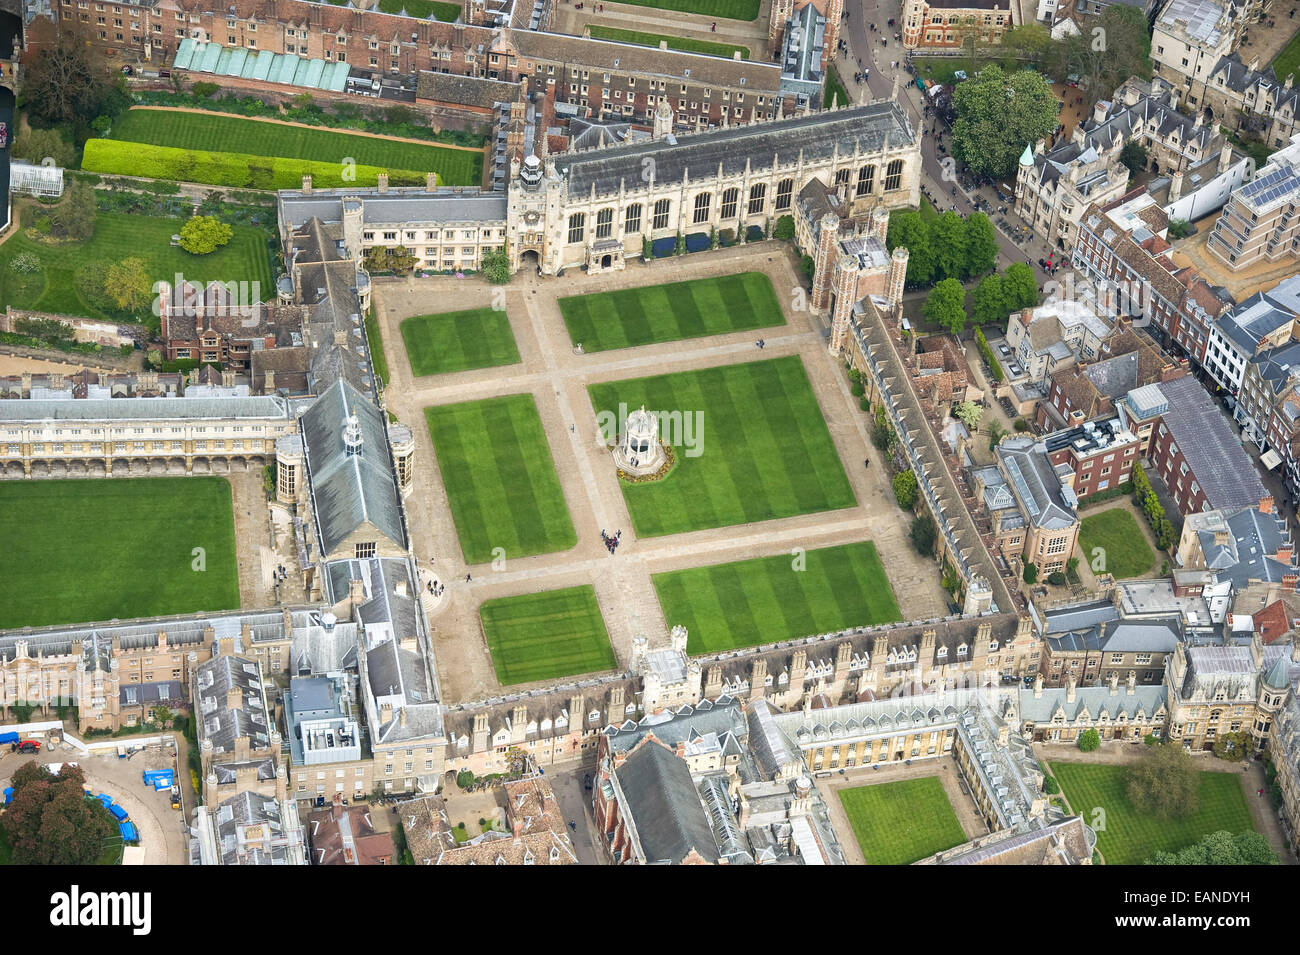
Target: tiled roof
1210,445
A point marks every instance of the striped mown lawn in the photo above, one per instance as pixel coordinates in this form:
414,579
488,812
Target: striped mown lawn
674,42
665,313
456,341
500,478
767,599
118,236
1129,836
723,9
899,823
751,445
85,550
546,635
422,9
218,133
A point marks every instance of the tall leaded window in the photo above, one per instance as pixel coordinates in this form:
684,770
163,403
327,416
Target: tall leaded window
784,190
604,223
842,177
729,200
757,198
702,203
577,227
894,175
866,180
632,221
662,208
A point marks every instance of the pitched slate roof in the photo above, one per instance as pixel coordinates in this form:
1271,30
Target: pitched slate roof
1212,449
664,807
815,136
348,489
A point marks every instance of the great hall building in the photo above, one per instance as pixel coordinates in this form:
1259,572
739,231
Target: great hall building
595,209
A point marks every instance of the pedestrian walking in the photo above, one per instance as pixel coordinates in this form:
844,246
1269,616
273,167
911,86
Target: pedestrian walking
467,578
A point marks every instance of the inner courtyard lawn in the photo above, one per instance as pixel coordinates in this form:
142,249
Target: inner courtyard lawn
752,602
725,9
750,441
118,236
666,313
1122,542
899,823
546,635
1288,59
87,550
686,44
1130,836
457,341
500,478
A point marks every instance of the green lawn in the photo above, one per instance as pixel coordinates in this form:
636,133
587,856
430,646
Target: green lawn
899,823
751,602
674,42
117,236
456,341
86,550
542,636
722,9
751,445
1116,532
447,12
1130,837
500,478
220,133
835,94
666,313
375,341
1288,61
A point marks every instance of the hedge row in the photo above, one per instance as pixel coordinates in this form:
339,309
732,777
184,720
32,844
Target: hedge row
229,169
987,353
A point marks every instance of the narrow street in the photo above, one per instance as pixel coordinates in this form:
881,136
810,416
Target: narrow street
864,46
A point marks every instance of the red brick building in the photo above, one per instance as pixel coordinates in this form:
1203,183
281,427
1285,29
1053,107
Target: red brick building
1099,453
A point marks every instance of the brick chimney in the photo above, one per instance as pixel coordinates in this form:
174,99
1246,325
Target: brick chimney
431,182
306,185
381,182
1266,504
1284,554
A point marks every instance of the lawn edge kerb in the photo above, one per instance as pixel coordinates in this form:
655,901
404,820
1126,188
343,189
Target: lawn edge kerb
493,320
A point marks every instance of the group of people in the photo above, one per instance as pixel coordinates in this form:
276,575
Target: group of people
761,343
281,572
611,543
436,589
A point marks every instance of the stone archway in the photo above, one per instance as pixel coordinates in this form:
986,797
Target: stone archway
14,469
58,468
220,466
175,465
40,469
202,466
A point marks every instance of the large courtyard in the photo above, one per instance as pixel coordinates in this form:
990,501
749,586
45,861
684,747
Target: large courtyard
512,460
95,549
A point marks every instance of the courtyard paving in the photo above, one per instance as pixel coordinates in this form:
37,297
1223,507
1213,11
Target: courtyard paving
557,378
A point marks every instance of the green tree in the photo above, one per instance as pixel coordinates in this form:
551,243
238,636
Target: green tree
496,266
63,84
923,535
784,228
204,234
909,230
807,265
1164,782
1179,228
74,217
1019,288
1056,578
905,489
1050,785
997,115
36,145
647,249
401,259
1221,848
945,306
1104,60
1089,740
205,90
127,284
50,822
1030,574
1029,41
948,239
996,431
968,413
1134,156
987,302
1232,746
981,246
882,434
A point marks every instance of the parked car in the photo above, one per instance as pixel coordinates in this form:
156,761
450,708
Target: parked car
29,746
